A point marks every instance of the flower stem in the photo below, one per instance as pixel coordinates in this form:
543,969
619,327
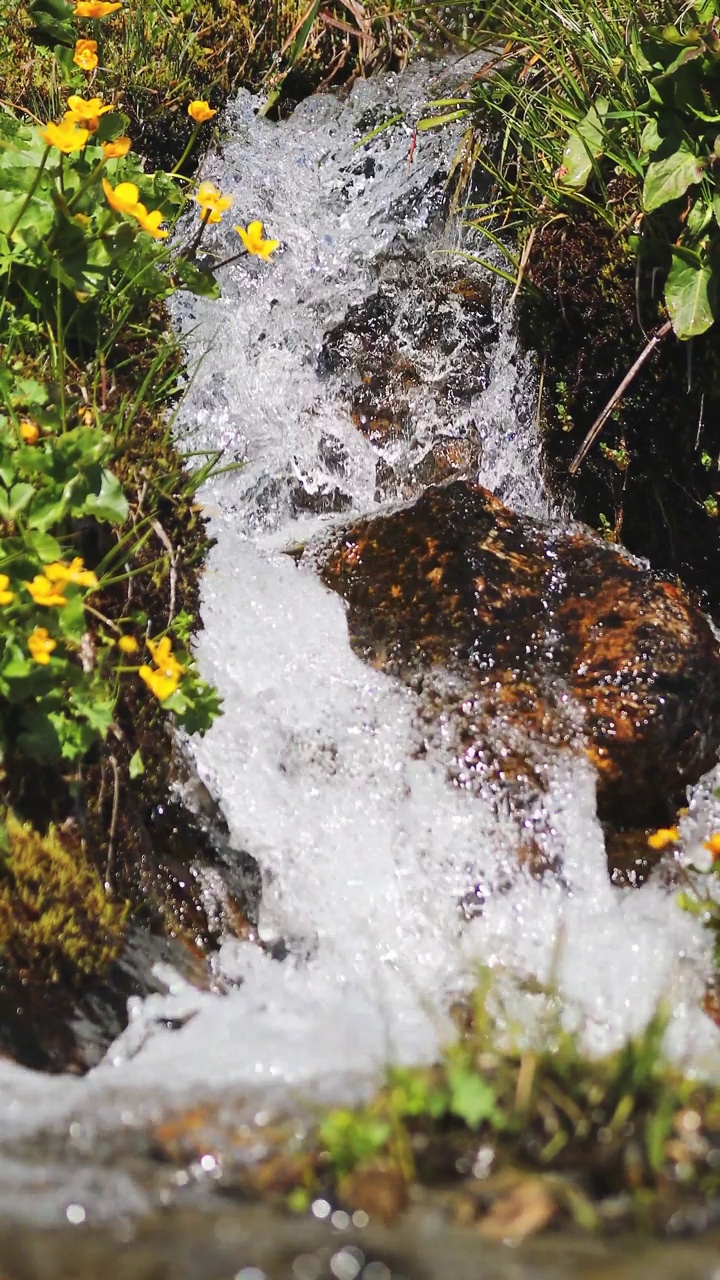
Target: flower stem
30,194
198,235
242,254
186,152
94,173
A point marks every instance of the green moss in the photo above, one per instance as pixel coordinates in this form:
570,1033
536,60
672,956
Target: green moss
57,922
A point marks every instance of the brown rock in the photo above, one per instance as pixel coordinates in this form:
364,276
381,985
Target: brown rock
531,634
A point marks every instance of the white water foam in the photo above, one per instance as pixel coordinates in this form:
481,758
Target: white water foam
365,849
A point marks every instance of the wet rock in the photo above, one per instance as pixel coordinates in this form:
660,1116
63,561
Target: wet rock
520,635
414,352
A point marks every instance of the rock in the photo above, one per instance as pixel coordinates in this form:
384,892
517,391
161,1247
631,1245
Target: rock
519,635
415,351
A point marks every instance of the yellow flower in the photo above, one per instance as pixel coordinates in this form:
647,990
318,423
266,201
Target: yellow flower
161,685
150,222
60,573
85,55
117,149
95,8
127,644
124,198
664,836
86,113
164,658
164,680
65,136
45,592
212,202
29,431
200,111
6,597
252,238
712,844
41,644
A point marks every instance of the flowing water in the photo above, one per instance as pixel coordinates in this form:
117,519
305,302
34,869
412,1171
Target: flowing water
365,849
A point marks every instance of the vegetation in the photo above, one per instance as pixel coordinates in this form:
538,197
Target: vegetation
526,1135
57,922
105,109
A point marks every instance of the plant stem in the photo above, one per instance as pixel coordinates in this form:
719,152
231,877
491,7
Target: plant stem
617,395
198,235
31,192
94,173
188,149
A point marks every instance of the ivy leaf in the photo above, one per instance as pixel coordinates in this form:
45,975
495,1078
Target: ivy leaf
689,293
669,179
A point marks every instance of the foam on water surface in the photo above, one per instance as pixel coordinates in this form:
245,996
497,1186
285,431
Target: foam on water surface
364,847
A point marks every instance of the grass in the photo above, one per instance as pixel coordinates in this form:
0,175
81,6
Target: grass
525,1136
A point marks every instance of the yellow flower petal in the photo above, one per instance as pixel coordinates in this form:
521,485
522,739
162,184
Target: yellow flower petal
128,644
65,136
6,597
212,202
124,198
664,836
75,572
252,238
164,658
29,432
41,645
161,685
45,592
199,110
150,222
117,149
85,55
86,113
95,8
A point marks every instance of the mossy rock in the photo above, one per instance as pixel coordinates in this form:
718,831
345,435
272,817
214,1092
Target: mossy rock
57,921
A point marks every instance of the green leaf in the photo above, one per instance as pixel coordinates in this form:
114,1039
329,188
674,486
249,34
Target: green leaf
669,179
40,738
651,137
136,767
584,144
201,283
46,510
46,547
52,19
110,503
20,495
472,1099
689,295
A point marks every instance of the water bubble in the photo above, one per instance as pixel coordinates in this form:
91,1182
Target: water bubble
75,1213
321,1208
346,1265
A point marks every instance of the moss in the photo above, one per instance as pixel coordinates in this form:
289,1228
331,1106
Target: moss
57,921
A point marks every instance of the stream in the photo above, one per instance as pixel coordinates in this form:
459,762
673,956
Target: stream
364,849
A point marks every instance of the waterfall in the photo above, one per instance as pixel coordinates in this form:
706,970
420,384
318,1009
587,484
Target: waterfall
364,847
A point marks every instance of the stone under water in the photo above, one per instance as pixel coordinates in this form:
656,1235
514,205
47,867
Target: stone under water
516,632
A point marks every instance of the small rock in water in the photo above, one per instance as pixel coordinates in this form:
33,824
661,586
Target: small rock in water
517,634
